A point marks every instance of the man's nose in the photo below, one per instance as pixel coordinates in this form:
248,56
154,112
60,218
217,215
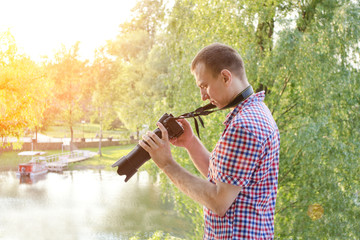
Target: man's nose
204,95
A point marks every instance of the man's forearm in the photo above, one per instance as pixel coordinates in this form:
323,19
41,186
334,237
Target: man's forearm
200,190
217,197
199,155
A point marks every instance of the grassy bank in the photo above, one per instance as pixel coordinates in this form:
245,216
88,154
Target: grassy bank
10,160
109,156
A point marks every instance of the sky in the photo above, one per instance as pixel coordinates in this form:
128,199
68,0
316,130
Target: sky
40,27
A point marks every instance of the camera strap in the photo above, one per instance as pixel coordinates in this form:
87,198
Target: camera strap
209,108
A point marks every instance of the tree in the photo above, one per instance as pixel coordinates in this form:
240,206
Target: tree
24,90
68,74
106,90
317,82
138,81
305,56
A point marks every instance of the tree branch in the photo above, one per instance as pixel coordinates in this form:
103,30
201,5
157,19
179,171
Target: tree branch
284,208
292,164
287,79
287,110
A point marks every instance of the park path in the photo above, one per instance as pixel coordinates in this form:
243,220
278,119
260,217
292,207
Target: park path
44,138
40,138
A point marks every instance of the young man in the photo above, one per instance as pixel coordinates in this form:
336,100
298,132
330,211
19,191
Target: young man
242,171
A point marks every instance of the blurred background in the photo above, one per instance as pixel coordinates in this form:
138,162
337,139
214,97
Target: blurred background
85,69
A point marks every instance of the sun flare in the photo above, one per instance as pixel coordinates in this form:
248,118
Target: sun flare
40,27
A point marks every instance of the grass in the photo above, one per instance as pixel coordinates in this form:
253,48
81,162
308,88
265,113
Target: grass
109,156
10,160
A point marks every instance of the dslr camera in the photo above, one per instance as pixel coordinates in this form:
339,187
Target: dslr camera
129,164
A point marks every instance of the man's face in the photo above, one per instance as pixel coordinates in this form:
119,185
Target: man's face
211,88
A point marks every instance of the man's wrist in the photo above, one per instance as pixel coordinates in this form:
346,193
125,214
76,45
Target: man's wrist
168,167
193,145
190,143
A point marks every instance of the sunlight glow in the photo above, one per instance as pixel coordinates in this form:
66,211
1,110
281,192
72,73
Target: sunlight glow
41,26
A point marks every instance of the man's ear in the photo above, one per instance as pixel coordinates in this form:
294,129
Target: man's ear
226,76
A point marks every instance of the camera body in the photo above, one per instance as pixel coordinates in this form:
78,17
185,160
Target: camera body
129,164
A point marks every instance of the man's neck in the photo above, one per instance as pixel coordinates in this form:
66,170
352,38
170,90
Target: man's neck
241,96
239,86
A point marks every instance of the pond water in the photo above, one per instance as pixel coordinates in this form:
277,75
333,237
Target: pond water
87,204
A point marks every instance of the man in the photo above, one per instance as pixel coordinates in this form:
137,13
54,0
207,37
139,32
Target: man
242,170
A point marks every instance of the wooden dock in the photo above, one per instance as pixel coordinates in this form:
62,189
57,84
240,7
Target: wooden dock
59,162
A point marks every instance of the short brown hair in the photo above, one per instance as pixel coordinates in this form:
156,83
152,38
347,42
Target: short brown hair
217,57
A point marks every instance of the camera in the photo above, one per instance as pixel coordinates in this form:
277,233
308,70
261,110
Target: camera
129,164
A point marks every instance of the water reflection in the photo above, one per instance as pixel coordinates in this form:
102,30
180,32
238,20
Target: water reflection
31,180
84,205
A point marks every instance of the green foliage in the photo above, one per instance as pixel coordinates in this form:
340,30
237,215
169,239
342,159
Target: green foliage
303,54
139,79
306,57
319,148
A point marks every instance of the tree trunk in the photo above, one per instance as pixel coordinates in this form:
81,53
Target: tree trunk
71,138
36,132
264,33
265,28
307,15
100,137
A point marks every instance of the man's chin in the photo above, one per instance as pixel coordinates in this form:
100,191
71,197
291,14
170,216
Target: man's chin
216,104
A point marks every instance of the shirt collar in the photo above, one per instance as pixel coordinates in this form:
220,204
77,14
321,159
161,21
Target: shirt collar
257,97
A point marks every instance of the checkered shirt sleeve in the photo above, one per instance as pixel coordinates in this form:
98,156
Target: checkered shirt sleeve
235,156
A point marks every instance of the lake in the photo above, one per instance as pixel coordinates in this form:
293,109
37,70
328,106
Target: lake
86,204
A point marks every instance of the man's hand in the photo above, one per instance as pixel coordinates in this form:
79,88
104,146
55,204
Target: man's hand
185,139
158,148
217,197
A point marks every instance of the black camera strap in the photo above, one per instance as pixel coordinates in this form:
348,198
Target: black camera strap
209,108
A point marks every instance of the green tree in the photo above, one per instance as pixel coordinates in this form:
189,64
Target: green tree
105,93
305,56
317,78
139,81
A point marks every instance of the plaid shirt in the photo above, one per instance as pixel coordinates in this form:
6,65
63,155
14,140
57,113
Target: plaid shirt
246,155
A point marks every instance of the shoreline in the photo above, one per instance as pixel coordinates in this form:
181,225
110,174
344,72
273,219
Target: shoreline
9,161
